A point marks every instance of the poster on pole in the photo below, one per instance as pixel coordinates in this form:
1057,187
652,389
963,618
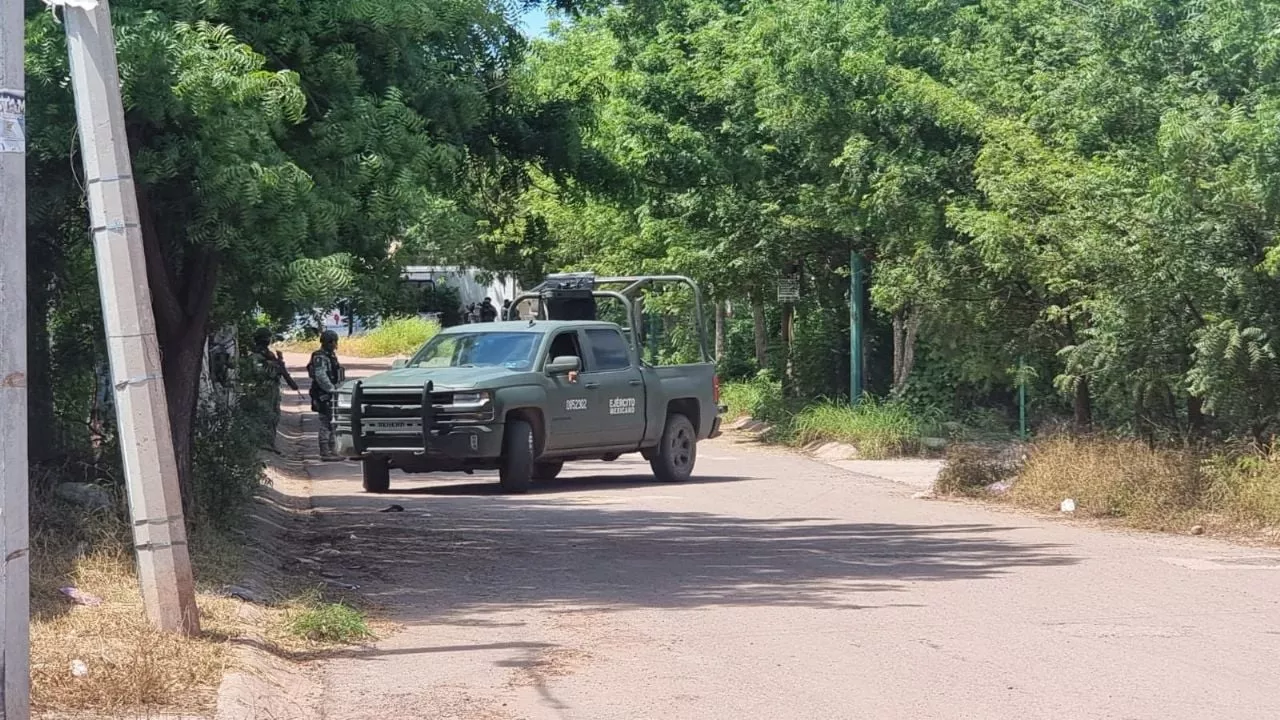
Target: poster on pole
13,122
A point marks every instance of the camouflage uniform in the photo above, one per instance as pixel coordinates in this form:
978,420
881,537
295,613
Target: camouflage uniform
270,370
325,374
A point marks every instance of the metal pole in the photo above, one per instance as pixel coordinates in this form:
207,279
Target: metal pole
1022,398
855,328
15,659
151,471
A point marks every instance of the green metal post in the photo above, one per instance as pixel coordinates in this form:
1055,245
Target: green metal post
1022,398
855,328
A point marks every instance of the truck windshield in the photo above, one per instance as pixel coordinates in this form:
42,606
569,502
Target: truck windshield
512,350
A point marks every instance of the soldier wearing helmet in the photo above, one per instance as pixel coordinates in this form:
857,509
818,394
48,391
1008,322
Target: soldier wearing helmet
270,370
326,374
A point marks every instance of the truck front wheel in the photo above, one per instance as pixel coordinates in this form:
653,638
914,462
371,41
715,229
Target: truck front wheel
547,470
377,475
673,459
516,472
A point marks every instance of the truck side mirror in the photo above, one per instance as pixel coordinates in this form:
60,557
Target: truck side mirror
564,364
399,363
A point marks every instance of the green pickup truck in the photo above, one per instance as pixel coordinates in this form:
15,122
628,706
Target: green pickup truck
524,396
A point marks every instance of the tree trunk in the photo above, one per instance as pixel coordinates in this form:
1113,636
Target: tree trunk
1083,406
761,333
906,328
720,330
1195,416
182,357
898,339
182,300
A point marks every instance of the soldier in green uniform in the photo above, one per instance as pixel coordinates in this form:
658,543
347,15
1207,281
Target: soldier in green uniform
326,375
270,370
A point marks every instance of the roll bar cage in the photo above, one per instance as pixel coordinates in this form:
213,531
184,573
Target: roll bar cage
625,289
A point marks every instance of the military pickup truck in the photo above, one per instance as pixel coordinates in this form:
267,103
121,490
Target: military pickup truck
525,396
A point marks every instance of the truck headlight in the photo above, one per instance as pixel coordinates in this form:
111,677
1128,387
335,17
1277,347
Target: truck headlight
470,399
344,401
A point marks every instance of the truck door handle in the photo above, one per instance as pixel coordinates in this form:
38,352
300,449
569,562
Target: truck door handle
591,386
634,383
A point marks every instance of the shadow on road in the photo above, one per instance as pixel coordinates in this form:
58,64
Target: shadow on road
453,556
488,486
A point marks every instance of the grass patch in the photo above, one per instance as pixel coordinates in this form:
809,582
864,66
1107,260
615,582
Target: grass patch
1154,488
331,623
394,337
760,399
131,666
878,429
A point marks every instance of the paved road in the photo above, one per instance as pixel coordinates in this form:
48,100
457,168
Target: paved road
773,586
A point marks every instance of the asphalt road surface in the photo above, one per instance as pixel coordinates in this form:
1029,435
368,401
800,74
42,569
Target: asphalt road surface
774,586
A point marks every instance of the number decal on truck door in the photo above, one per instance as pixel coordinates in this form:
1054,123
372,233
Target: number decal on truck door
573,404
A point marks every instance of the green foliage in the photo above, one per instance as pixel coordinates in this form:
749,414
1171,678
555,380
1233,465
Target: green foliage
227,466
759,398
285,156
1092,188
877,429
330,623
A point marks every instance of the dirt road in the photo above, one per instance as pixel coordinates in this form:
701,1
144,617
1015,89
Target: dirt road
773,586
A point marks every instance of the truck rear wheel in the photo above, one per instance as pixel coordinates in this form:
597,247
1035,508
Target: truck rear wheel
547,470
673,459
516,472
377,475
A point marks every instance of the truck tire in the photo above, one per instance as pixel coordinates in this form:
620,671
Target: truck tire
516,472
377,475
547,470
673,459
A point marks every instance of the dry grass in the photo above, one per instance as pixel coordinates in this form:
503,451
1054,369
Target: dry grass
1149,488
133,668
1167,489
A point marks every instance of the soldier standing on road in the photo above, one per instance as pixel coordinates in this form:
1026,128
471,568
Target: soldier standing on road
488,313
506,310
325,374
272,370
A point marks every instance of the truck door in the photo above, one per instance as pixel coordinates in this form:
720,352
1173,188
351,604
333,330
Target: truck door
572,406
621,389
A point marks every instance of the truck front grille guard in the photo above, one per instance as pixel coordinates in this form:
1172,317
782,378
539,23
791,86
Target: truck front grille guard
428,417
357,410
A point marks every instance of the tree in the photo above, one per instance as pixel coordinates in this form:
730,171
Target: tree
263,133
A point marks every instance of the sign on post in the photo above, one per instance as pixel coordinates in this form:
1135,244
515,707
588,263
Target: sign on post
788,289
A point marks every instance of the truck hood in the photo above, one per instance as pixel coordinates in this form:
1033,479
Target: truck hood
444,378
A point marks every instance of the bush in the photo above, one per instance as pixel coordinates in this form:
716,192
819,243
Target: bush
971,469
226,469
395,336
760,399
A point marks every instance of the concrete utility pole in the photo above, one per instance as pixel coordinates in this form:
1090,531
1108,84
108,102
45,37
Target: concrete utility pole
15,600
151,471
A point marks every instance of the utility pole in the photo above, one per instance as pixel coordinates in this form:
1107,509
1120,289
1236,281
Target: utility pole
151,471
855,327
15,611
